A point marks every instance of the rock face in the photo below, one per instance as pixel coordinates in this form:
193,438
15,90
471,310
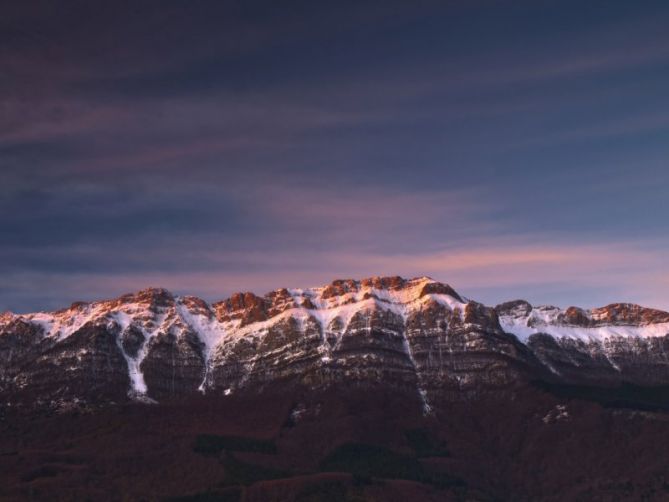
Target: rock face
618,343
415,334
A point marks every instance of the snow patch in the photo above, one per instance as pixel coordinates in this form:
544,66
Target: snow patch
137,383
556,414
546,322
209,331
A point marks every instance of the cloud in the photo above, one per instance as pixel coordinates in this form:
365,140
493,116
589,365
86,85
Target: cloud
92,225
491,270
92,241
213,149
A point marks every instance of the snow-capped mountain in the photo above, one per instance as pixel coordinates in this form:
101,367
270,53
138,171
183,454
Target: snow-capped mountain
416,334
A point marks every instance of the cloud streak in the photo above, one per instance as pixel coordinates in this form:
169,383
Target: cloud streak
511,150
495,271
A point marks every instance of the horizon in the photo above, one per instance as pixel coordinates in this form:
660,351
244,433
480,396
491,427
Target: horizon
510,149
213,300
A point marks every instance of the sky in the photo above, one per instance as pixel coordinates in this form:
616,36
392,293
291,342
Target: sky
513,149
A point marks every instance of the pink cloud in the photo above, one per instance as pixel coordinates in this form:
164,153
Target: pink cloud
498,269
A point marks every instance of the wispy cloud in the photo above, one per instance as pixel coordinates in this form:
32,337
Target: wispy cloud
232,149
491,270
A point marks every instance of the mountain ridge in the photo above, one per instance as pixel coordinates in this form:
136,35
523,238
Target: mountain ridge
406,333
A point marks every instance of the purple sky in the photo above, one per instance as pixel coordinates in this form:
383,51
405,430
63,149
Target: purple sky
512,149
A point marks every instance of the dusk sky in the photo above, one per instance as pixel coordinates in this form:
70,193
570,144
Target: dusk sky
514,149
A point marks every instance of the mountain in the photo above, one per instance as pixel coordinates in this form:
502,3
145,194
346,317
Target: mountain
418,335
382,389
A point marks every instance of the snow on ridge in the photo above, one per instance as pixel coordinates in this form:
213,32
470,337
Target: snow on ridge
124,318
6,317
345,307
62,324
209,331
405,297
137,383
544,320
119,316
326,313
